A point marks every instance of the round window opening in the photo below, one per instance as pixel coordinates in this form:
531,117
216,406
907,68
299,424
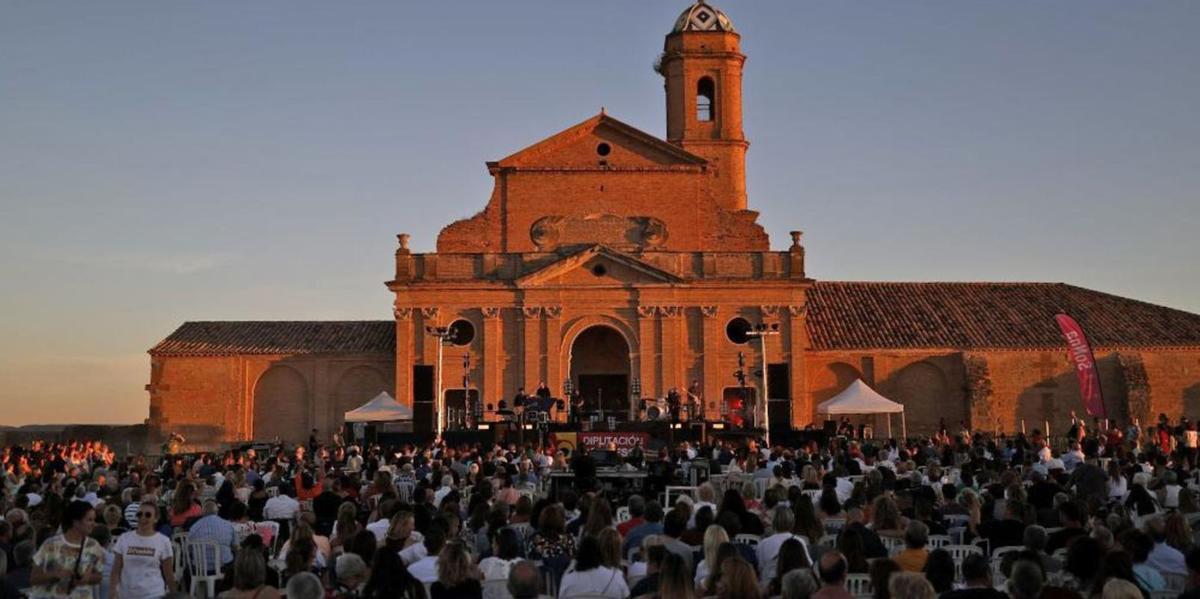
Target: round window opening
599,270
603,149
461,332
738,330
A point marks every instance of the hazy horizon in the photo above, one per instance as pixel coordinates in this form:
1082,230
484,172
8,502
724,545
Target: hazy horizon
161,163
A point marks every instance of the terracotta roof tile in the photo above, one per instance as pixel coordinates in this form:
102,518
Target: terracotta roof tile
854,315
221,338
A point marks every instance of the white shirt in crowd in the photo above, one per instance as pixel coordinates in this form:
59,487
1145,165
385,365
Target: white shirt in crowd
494,568
425,569
768,553
281,507
1167,559
600,581
414,553
141,564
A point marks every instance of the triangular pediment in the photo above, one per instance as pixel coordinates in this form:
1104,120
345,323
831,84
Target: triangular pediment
598,266
601,142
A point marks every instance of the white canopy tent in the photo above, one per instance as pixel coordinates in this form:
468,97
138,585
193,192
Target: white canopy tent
380,409
860,398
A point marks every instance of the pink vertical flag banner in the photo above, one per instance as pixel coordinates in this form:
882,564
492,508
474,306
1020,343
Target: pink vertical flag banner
1084,362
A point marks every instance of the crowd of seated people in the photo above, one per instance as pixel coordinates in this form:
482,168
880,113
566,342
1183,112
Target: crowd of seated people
1112,513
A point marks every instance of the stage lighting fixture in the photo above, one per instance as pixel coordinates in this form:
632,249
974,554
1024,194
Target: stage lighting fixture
718,426
528,427
483,426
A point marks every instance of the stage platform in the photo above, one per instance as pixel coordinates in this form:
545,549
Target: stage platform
651,436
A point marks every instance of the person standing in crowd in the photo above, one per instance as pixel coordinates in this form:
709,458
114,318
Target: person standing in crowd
142,562
69,565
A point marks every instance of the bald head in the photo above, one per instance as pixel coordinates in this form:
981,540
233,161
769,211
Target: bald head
832,568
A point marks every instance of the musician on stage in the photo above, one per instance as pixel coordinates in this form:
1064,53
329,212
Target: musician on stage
673,403
543,392
520,398
575,402
695,401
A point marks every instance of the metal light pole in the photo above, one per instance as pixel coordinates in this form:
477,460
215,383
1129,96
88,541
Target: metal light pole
762,331
442,334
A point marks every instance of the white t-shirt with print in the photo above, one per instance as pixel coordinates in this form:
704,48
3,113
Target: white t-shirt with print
141,564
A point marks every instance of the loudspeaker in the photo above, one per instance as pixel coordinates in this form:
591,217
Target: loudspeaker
422,393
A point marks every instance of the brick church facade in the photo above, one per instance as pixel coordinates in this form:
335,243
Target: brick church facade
622,265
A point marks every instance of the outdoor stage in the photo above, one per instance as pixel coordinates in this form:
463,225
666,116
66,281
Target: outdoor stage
623,436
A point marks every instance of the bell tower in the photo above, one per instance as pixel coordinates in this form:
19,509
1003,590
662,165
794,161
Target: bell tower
702,66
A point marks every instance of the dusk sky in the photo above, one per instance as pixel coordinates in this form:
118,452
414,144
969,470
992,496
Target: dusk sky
171,161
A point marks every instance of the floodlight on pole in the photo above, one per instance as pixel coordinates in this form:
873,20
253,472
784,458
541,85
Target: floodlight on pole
762,331
444,336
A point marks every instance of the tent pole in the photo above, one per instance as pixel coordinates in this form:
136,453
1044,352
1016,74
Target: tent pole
903,425
889,417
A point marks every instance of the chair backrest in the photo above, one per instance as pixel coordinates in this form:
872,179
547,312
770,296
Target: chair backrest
829,540
760,485
960,552
1175,582
746,539
813,494
939,541
203,558
859,585
623,514
272,491
404,491
496,589
522,528
835,524
892,544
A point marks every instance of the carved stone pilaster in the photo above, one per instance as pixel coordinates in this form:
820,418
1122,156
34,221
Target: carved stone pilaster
646,311
979,392
709,311
531,312
402,313
1137,386
552,311
429,313
490,312
670,311
797,311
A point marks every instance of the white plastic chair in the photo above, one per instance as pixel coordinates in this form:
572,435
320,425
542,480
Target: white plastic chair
939,541
746,539
203,565
1176,583
623,514
892,544
958,553
998,559
835,524
829,540
859,585
496,589
179,546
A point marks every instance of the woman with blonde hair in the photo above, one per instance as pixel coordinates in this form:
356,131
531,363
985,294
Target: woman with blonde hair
886,520
714,536
457,576
183,505
302,534
673,579
738,580
346,525
910,585
610,548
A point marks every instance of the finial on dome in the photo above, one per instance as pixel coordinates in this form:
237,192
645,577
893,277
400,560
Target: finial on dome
602,111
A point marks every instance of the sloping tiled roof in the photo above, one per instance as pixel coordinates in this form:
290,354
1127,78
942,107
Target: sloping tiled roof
222,338
854,315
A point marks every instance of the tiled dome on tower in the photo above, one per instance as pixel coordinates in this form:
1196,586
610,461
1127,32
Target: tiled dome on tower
702,17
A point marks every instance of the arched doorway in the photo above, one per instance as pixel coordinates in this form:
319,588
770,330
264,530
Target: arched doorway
357,386
281,406
927,398
600,366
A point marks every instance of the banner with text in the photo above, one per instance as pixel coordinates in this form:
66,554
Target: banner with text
1084,363
590,441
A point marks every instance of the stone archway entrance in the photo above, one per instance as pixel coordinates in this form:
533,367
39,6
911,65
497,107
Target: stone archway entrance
600,370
